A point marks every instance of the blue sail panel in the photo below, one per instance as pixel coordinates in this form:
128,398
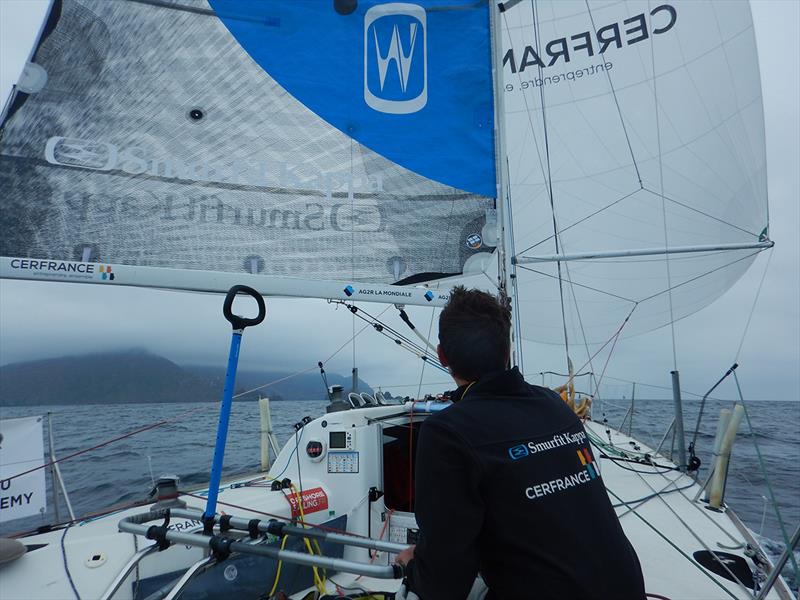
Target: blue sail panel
410,81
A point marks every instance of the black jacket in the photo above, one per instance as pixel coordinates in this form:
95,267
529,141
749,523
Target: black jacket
507,484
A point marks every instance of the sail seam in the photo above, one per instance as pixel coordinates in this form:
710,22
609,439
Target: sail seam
697,210
581,285
616,102
579,221
696,277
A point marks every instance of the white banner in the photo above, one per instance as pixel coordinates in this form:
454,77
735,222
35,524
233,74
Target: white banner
21,448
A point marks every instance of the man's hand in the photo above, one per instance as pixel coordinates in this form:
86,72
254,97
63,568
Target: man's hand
405,556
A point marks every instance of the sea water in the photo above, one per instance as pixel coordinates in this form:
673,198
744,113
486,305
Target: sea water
123,471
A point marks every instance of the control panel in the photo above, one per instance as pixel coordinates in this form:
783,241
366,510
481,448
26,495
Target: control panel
342,462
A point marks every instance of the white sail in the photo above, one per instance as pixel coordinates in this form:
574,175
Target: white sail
633,125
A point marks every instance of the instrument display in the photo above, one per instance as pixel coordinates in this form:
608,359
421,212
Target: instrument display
340,440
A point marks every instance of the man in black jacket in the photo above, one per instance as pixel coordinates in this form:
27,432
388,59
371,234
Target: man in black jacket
506,482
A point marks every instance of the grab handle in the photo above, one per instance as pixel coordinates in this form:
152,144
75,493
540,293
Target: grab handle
241,322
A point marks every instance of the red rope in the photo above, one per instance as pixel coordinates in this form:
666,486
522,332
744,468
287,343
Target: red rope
614,339
106,443
411,458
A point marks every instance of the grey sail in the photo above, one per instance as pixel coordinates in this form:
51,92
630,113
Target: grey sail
158,141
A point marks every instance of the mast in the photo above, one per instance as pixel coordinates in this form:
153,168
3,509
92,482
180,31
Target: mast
505,243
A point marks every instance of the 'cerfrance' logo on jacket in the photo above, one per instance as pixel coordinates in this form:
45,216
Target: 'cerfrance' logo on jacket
395,58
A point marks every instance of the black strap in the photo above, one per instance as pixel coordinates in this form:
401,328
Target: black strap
224,523
252,528
158,533
220,547
275,527
208,525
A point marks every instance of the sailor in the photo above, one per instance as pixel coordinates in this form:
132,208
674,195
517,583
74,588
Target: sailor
506,482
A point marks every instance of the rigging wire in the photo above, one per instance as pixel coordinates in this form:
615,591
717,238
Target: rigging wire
674,545
659,494
350,193
663,201
583,335
422,370
614,339
399,339
753,309
536,35
514,297
547,175
692,531
603,446
763,467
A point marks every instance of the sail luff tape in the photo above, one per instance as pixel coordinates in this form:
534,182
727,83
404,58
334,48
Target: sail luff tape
721,470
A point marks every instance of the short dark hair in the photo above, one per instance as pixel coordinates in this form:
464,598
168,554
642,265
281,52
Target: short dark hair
474,332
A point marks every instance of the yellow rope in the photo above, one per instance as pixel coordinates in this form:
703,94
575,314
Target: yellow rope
319,582
278,571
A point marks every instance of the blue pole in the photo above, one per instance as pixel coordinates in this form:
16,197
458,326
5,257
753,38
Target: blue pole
238,323
222,426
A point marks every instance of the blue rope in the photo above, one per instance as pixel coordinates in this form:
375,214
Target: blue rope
66,567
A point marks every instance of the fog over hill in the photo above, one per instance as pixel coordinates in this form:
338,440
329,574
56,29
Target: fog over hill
138,376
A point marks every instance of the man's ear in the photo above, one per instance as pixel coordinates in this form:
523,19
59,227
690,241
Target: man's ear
442,357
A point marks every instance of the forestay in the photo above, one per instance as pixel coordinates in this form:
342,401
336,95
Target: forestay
631,125
293,139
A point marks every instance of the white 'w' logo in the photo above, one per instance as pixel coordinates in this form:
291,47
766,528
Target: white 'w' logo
395,53
409,55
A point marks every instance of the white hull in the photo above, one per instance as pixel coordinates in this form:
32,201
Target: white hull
666,529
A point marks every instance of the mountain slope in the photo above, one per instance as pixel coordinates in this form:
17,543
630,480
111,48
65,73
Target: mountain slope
137,376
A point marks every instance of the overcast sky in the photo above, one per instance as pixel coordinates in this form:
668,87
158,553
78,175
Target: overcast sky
39,320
